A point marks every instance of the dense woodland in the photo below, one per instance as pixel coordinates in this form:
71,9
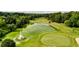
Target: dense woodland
10,21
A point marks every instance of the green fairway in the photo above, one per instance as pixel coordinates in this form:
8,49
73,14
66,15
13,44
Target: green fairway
57,39
39,20
72,32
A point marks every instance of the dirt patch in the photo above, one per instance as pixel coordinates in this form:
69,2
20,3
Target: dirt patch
77,40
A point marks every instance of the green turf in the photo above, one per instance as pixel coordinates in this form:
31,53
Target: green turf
39,20
57,39
33,32
72,32
12,35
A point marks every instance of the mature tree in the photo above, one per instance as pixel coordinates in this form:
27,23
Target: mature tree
2,22
73,20
58,18
20,23
11,27
77,23
8,43
2,32
10,20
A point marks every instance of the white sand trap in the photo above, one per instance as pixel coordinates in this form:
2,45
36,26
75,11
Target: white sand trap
77,40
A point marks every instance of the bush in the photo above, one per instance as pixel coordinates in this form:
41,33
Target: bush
8,43
78,23
67,22
0,39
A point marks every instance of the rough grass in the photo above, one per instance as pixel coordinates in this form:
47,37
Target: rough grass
12,35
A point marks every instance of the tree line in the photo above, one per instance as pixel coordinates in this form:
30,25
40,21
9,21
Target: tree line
71,19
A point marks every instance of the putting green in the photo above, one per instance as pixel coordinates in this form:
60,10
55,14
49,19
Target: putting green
57,39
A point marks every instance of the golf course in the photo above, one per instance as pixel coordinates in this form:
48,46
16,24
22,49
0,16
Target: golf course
39,29
41,34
